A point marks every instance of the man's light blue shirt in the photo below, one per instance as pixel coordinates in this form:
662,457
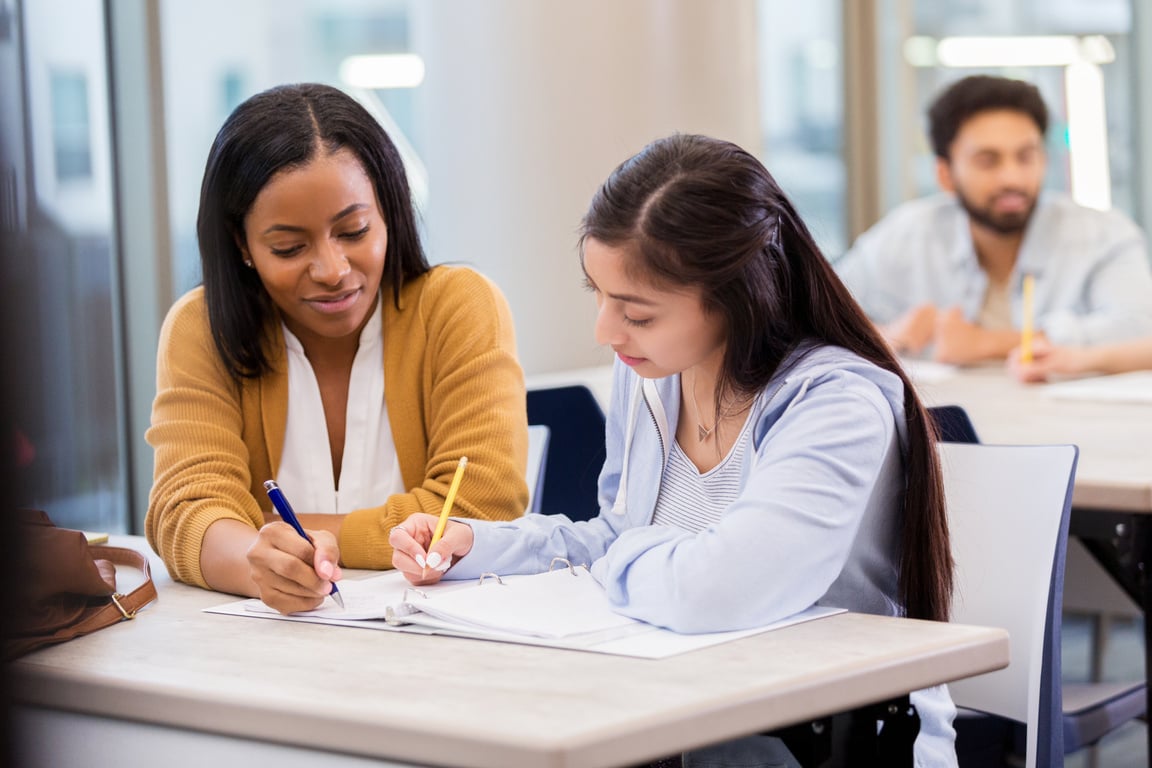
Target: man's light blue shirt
1093,281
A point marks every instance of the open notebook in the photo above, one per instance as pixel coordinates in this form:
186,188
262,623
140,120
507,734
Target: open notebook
564,608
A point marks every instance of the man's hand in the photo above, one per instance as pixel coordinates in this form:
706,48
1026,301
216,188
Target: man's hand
913,331
961,342
1048,360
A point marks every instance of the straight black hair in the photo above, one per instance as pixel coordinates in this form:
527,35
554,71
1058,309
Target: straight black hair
281,129
704,213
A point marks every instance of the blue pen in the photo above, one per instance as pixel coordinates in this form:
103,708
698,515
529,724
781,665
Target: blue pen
285,511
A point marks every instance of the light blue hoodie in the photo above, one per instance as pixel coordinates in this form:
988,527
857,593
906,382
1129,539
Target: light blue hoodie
817,520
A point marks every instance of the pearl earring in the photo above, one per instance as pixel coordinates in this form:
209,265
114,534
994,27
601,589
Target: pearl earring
248,263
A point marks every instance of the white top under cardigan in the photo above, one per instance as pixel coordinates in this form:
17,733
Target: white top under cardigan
370,471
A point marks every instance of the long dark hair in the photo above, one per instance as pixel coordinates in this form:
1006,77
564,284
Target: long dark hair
704,213
283,128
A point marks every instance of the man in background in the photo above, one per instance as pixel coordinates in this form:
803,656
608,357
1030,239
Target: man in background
945,273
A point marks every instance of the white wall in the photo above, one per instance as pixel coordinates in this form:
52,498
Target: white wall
527,106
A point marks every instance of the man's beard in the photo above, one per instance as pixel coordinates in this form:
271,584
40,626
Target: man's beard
1012,223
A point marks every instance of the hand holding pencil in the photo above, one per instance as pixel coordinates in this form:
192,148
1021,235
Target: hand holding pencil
425,546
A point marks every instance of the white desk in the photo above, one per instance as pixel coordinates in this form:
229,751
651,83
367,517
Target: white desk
447,701
1115,467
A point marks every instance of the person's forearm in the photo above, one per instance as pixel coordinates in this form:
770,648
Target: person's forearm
317,522
891,333
1119,358
977,347
224,557
995,345
903,339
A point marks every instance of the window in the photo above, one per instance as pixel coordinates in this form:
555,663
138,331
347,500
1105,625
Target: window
71,144
802,112
262,44
58,269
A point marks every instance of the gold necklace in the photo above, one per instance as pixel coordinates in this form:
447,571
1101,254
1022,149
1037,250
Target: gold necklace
701,432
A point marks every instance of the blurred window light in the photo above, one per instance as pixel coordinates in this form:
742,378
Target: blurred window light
990,52
920,51
1088,136
392,70
822,53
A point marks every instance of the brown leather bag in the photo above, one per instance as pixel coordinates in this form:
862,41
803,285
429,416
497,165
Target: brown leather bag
67,587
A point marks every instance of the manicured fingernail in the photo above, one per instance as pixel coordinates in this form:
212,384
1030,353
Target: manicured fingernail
324,569
444,565
420,561
434,559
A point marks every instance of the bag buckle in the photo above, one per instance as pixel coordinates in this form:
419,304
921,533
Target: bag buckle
116,598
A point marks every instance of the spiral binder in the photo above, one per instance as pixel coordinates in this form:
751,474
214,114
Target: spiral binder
563,607
564,601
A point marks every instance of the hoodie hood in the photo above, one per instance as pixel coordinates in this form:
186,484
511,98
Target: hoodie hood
659,399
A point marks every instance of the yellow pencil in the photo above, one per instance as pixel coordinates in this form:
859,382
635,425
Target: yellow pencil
439,532
1026,330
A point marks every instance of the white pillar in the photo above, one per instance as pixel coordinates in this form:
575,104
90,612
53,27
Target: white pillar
526,108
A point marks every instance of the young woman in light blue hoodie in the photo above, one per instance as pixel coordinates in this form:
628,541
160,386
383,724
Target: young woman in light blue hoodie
760,433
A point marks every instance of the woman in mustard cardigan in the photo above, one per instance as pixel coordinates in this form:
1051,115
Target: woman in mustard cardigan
322,351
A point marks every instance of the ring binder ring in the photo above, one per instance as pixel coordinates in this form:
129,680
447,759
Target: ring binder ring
492,575
394,614
567,562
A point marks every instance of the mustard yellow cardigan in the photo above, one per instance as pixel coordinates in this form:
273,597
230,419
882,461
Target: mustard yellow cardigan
453,388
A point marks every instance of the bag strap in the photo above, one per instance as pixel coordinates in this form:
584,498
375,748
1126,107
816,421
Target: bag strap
120,607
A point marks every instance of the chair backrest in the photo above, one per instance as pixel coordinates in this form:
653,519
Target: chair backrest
953,424
1008,509
538,438
575,451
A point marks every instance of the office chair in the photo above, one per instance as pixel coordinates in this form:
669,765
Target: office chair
953,424
1008,510
538,438
575,452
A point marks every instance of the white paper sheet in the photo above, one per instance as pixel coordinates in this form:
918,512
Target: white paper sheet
1133,387
561,609
556,609
927,371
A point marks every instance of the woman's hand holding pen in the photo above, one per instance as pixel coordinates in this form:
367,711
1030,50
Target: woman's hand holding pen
292,573
411,557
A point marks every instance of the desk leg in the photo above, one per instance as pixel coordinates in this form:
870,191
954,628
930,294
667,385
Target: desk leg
878,734
1142,547
1122,544
894,740
1142,530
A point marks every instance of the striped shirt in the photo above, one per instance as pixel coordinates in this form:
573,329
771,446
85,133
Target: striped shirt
693,501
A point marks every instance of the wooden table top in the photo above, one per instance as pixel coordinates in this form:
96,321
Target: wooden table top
450,701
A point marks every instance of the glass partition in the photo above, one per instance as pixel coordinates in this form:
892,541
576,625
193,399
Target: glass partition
802,111
58,265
